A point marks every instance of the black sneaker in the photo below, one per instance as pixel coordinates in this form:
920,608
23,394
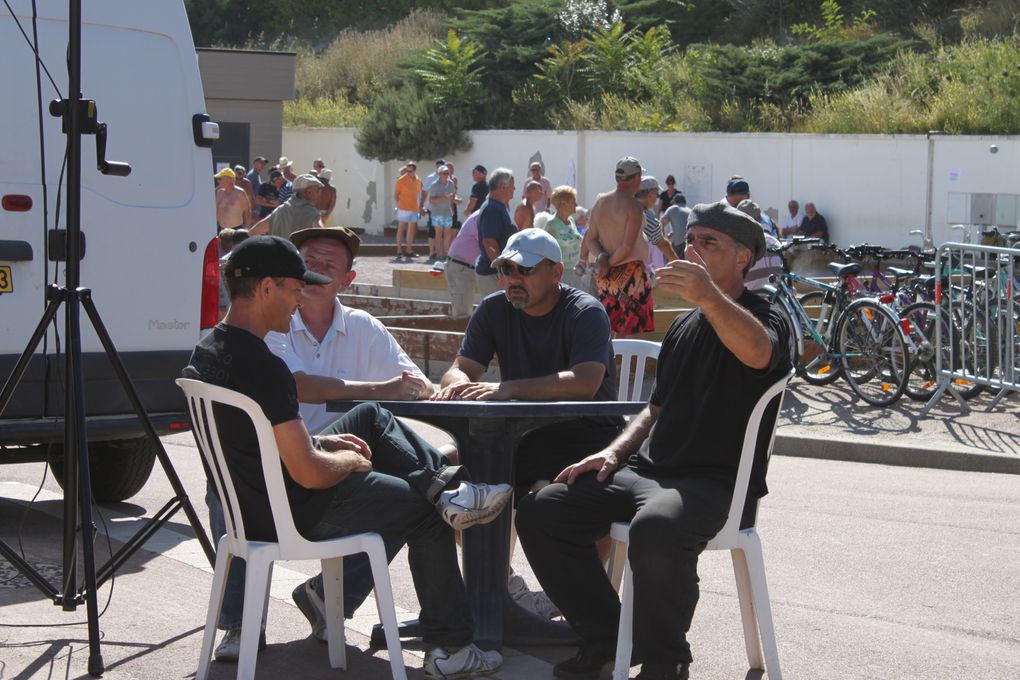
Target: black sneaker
411,254
587,664
651,672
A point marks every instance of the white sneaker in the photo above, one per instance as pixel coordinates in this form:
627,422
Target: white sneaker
439,266
229,648
470,504
466,662
536,602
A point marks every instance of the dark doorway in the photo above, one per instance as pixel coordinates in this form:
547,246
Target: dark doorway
232,146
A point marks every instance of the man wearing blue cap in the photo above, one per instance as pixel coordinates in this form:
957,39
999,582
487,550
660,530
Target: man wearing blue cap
367,472
671,472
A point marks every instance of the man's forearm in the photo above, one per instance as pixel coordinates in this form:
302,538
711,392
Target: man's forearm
629,441
454,376
563,386
740,331
318,389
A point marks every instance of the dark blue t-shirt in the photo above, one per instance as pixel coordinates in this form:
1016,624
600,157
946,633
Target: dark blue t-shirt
494,222
574,332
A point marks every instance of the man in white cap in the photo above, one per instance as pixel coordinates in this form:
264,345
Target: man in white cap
297,212
553,343
232,206
286,166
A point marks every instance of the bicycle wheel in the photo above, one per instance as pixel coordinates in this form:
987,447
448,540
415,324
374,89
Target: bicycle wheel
920,320
817,365
873,352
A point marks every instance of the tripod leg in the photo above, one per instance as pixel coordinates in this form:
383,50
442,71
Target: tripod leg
136,402
76,455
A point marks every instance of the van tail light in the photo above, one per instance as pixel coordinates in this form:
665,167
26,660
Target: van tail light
17,202
210,285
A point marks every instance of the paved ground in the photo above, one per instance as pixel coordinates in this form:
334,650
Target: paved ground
875,571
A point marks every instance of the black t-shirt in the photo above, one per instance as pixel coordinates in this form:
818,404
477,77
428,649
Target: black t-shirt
815,225
707,395
479,192
268,192
232,357
575,331
494,222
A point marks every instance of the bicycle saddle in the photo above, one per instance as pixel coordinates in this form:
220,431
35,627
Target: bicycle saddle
841,270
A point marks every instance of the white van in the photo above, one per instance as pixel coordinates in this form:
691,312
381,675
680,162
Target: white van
148,237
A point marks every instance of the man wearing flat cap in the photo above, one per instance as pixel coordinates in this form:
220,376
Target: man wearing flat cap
299,211
368,472
671,472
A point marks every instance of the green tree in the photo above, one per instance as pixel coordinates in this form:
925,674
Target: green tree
404,123
452,76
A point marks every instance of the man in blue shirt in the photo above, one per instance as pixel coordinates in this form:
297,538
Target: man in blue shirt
495,227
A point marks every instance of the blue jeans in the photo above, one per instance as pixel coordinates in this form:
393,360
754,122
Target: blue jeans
396,500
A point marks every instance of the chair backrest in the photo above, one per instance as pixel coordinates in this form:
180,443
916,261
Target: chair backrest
756,430
201,397
627,351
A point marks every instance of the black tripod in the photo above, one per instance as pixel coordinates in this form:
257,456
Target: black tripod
79,118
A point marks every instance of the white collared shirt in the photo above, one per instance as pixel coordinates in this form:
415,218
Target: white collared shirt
356,347
793,220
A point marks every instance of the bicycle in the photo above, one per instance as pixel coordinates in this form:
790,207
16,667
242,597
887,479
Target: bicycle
860,340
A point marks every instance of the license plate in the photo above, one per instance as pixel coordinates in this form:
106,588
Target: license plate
6,280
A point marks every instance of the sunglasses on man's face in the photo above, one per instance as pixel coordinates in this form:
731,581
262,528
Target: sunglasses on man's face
507,269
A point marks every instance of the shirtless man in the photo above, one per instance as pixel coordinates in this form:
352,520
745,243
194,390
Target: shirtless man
614,237
232,206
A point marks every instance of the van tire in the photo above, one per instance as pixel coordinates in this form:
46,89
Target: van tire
119,469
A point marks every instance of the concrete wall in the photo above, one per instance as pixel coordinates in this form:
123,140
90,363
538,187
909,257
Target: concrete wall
871,188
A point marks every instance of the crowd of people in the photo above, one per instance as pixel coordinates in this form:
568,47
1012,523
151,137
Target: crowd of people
559,283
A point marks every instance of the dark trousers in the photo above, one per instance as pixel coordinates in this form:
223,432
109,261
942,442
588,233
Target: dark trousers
672,520
395,500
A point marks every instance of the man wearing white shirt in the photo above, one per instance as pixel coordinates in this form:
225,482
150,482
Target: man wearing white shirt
791,223
335,352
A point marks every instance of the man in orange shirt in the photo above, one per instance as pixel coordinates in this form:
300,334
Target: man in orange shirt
407,196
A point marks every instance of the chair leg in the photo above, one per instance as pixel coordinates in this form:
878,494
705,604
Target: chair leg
384,603
223,559
615,565
625,634
762,605
745,596
333,596
255,584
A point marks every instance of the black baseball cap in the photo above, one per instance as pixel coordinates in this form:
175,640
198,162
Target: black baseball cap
260,158
273,174
481,169
262,256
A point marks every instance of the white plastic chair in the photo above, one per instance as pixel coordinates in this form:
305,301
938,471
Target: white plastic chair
745,550
290,545
627,350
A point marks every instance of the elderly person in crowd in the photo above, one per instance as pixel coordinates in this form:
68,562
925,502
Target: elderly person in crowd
562,228
297,212
524,215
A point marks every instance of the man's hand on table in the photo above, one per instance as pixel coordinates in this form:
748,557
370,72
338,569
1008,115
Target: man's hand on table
603,462
406,386
470,391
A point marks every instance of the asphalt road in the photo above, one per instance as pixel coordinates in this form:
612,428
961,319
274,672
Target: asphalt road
875,572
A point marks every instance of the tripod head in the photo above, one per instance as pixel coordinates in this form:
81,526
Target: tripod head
90,125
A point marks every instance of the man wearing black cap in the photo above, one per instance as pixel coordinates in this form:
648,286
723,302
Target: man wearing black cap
479,190
671,472
267,197
368,472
